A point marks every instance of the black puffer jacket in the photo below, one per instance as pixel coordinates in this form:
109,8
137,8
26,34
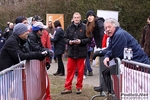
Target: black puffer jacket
77,32
59,43
35,42
13,50
98,31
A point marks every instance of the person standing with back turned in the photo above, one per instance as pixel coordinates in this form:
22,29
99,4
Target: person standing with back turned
59,45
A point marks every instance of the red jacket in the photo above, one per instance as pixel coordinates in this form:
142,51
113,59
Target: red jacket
45,39
104,41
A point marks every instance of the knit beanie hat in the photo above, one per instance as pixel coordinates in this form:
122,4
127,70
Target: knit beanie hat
20,19
20,28
90,12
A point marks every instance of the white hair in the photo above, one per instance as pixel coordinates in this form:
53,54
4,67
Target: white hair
113,21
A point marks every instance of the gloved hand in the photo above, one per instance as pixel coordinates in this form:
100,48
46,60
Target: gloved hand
97,53
40,56
50,53
48,65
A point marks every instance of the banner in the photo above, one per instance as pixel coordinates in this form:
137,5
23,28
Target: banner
107,14
54,17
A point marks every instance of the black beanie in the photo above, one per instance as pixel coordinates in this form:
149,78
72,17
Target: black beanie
20,19
90,12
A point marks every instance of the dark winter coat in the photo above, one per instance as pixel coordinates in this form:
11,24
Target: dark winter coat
98,31
77,32
35,43
13,50
8,34
145,39
2,42
122,39
59,43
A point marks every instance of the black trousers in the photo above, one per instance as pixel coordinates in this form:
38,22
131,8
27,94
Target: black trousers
61,68
107,79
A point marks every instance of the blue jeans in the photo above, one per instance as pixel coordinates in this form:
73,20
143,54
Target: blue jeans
87,64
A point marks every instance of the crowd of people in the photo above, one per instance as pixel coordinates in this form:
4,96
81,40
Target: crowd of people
19,41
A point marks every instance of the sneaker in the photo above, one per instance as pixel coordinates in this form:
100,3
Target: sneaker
78,91
90,74
66,91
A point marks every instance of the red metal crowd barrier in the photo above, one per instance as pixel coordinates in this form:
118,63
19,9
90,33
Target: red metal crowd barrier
135,81
130,80
23,81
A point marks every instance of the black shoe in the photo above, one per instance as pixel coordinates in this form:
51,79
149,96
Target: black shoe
48,65
98,89
90,74
56,73
61,74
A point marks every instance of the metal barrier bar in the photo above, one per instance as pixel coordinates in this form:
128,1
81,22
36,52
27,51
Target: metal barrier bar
12,67
10,83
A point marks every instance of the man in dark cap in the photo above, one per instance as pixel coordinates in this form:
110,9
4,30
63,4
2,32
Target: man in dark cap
37,18
21,19
13,50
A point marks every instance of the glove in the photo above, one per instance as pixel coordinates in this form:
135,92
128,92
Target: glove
40,56
48,65
97,53
50,53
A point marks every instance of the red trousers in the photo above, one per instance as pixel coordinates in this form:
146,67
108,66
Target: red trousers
72,66
48,96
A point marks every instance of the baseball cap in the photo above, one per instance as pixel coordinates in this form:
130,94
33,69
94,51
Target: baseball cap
38,26
37,18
